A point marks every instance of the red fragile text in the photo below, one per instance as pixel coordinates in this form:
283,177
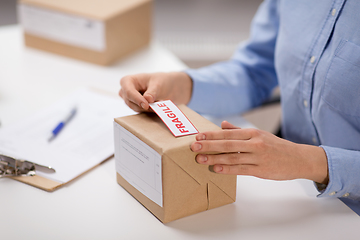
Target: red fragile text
178,124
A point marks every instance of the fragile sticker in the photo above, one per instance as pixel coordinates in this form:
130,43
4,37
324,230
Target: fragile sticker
173,118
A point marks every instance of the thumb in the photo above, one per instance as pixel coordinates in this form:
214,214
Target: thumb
227,125
151,92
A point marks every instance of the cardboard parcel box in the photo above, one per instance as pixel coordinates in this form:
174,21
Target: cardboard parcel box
160,170
96,31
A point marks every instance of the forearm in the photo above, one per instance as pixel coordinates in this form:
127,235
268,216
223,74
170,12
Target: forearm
182,89
315,165
247,79
222,89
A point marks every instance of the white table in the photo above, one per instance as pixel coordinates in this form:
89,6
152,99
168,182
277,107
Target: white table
94,206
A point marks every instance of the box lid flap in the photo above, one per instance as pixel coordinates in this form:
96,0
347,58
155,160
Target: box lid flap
151,130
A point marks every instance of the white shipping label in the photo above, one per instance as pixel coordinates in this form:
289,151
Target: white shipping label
173,118
61,27
138,164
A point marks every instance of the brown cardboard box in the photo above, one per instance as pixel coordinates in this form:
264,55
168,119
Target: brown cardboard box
96,31
187,187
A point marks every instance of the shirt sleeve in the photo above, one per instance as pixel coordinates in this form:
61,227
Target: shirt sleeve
248,78
344,177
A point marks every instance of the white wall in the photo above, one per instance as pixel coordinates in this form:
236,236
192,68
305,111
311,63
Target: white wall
203,30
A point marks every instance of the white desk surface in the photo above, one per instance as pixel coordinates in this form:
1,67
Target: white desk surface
94,206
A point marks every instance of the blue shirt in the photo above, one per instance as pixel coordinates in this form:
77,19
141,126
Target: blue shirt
311,49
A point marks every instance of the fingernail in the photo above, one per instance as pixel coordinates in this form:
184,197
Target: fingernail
152,98
200,137
149,97
143,105
219,169
202,158
196,147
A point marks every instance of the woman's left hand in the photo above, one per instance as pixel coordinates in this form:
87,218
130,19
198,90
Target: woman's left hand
261,154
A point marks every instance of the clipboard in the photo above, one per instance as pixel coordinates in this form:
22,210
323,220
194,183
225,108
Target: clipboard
39,182
70,153
15,169
48,184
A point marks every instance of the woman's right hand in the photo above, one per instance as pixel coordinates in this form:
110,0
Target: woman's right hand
141,89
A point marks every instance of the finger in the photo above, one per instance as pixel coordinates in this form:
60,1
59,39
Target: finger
225,159
234,134
221,146
227,125
130,104
151,93
241,169
131,89
134,106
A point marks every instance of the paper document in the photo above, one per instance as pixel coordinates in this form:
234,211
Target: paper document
138,164
84,142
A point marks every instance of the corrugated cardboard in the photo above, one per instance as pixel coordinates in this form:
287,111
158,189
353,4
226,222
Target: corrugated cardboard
127,27
188,187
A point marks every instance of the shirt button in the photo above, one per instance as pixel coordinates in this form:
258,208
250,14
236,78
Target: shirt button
332,193
346,194
312,59
314,140
305,103
333,12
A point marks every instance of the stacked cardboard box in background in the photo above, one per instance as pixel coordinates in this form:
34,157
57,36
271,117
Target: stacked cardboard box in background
96,31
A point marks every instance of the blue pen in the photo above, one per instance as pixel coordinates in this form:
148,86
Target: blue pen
62,124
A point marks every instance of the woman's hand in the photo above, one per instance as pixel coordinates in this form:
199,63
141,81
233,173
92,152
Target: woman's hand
141,89
260,154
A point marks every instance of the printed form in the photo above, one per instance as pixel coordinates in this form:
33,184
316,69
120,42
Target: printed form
138,164
83,143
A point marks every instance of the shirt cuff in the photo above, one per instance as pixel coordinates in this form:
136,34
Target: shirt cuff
199,89
344,179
